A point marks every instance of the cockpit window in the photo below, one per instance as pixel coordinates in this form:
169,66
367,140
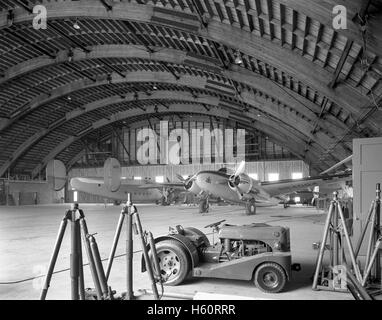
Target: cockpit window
225,170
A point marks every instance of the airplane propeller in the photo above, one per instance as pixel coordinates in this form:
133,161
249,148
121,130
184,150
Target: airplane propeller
234,180
240,169
188,181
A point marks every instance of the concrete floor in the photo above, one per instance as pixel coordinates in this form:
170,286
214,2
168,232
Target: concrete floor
27,236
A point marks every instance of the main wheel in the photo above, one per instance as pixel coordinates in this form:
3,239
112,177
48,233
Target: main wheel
174,262
270,277
203,206
250,207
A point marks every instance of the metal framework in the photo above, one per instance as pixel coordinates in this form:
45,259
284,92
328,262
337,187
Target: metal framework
300,82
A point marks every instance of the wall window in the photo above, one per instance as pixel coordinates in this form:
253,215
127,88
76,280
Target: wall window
137,178
273,176
253,176
159,179
297,199
75,196
296,175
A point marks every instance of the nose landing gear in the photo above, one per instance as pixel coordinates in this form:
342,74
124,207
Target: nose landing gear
250,207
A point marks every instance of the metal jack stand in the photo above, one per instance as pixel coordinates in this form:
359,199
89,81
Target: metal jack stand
333,276
130,212
77,219
372,274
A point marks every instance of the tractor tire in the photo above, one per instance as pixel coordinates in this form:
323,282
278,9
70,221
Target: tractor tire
250,207
174,262
203,206
270,277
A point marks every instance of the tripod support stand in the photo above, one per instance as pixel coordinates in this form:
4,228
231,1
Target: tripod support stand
330,277
372,273
78,223
131,213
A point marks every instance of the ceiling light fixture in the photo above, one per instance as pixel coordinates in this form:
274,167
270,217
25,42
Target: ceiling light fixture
238,59
70,55
76,25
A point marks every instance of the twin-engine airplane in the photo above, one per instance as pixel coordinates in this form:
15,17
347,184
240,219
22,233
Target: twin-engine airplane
232,187
237,187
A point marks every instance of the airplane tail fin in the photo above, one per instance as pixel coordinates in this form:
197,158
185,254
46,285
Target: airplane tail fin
112,174
56,174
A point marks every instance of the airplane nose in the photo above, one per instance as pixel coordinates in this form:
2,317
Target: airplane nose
201,179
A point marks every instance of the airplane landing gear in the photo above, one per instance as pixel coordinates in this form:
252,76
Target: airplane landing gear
204,206
250,207
164,201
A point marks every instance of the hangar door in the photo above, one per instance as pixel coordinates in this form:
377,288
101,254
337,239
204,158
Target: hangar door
367,172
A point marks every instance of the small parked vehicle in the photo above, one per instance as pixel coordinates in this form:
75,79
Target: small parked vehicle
256,252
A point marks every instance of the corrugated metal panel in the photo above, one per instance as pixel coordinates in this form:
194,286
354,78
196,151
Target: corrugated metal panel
262,168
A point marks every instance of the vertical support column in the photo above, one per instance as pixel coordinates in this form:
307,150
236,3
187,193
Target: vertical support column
53,259
89,253
80,264
322,246
129,249
335,233
149,265
377,230
74,256
115,243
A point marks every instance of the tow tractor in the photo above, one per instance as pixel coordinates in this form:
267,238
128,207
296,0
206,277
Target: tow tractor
256,252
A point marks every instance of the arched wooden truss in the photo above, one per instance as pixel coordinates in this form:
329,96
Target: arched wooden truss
311,89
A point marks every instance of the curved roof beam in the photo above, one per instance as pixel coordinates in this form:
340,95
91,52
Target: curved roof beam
276,136
190,81
163,77
210,101
248,43
238,74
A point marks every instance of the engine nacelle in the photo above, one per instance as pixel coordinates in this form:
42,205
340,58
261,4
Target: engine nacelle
241,182
192,187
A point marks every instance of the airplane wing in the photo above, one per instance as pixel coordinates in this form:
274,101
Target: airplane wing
282,187
90,180
142,186
161,185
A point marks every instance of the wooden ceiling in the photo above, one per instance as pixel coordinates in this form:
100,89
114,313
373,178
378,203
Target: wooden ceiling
308,87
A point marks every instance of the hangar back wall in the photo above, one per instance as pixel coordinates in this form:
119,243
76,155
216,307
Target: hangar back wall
262,168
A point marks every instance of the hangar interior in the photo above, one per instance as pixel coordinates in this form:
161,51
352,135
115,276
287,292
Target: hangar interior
293,86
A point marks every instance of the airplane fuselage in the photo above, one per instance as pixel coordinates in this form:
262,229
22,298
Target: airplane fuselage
216,183
98,188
